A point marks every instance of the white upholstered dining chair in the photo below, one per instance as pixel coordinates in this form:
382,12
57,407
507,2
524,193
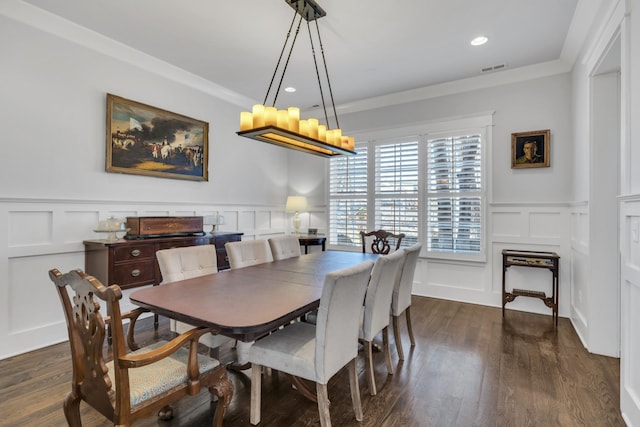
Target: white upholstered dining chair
248,252
375,316
185,263
283,247
317,352
241,254
401,300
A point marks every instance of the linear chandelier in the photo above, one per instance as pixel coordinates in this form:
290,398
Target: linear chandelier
284,127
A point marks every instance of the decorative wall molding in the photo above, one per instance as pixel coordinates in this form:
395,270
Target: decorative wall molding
39,234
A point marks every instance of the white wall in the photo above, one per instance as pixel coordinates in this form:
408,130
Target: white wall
53,184
53,120
597,318
630,215
541,103
527,209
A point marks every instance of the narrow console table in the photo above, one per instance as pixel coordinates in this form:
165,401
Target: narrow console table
549,260
307,240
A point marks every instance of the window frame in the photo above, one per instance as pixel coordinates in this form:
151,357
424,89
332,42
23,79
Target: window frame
481,124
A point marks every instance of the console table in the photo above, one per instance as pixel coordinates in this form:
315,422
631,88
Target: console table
549,260
307,240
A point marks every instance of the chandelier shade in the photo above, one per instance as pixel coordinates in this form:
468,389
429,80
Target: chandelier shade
284,127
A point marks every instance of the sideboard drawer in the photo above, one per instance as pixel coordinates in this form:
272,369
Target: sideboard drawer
131,274
134,252
221,252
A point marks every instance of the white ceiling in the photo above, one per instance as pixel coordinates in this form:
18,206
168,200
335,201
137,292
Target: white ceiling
373,47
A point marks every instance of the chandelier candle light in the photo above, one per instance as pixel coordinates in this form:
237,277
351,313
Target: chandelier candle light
284,127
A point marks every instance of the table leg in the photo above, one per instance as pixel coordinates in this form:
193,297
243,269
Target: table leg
304,388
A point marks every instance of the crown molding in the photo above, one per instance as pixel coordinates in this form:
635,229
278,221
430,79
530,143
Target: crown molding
59,27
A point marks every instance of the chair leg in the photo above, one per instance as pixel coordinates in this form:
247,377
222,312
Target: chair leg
407,313
355,388
223,390
397,338
386,349
214,352
368,356
166,413
256,391
71,408
323,405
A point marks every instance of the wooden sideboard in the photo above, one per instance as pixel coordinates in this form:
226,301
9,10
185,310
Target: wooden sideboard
132,263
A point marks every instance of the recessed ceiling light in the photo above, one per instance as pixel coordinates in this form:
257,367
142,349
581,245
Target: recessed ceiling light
289,89
479,41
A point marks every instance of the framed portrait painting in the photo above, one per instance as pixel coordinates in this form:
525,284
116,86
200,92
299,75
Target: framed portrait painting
530,149
145,140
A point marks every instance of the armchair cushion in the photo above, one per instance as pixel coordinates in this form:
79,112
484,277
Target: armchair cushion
164,375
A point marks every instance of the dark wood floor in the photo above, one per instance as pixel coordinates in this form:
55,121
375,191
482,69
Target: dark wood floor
470,367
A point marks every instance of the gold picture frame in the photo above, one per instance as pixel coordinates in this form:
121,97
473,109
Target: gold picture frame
530,149
150,141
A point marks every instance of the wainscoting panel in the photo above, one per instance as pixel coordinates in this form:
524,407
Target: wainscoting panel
28,228
37,235
507,224
31,292
630,314
530,227
545,225
534,227
73,225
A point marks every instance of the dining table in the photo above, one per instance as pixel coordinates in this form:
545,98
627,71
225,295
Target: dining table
248,303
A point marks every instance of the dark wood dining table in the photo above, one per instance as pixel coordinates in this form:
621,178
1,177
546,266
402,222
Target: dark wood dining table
249,302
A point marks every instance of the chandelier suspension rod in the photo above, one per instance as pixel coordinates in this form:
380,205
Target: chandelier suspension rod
315,63
284,46
326,70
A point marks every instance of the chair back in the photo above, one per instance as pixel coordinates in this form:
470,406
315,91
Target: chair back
402,290
339,318
187,262
86,328
283,247
379,294
248,252
381,241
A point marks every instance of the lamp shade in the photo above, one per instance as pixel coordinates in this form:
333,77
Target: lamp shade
296,204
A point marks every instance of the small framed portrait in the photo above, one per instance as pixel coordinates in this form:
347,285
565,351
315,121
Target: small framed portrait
530,149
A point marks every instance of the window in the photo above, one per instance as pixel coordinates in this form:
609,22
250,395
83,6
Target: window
454,194
348,197
396,189
430,187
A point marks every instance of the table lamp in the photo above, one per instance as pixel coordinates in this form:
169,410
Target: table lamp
296,204
213,220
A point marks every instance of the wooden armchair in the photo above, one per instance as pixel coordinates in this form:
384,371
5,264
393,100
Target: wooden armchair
380,243
137,384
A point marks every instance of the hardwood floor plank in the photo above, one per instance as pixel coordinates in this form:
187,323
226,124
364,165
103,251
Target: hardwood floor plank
470,367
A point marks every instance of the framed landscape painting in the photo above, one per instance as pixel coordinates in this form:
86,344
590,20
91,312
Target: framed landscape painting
145,140
530,149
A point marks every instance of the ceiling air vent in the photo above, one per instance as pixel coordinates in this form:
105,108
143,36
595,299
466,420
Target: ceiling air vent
497,67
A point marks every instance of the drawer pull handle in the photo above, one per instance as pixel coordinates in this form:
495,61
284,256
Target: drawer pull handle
135,252
135,273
